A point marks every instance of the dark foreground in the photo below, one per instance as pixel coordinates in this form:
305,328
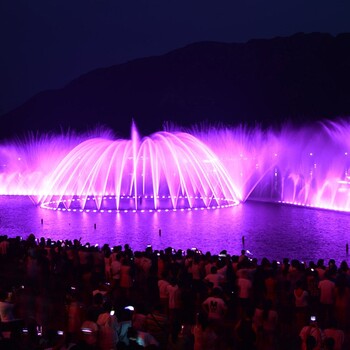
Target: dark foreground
66,295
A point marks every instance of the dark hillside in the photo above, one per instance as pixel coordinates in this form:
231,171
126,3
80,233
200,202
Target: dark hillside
302,78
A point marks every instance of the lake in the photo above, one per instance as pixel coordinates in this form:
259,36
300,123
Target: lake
270,230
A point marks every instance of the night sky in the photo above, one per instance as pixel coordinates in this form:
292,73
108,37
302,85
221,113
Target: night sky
45,44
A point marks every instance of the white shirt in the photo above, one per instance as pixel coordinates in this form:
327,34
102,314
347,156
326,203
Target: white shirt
163,289
327,289
115,269
337,335
315,332
214,278
173,296
216,308
244,286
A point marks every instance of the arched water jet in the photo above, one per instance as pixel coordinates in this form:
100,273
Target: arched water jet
163,171
181,170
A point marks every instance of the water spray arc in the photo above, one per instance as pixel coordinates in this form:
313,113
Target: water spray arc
176,170
163,171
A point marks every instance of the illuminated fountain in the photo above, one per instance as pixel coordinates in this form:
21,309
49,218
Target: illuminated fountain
161,172
249,155
26,164
176,170
311,168
308,166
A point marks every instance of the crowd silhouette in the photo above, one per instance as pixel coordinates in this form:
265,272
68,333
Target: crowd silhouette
73,295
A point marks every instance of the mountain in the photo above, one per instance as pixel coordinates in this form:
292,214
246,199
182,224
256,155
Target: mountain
301,78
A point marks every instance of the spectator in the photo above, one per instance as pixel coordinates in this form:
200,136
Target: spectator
336,334
215,307
311,330
205,337
108,328
327,298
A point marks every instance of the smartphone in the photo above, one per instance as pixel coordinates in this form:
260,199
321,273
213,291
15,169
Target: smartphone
313,318
86,330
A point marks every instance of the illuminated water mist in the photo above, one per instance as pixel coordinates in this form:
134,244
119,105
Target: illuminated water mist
163,171
174,170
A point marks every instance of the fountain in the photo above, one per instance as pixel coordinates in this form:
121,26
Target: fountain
166,171
311,168
177,170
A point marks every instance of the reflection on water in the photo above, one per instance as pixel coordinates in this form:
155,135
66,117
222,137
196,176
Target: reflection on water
271,230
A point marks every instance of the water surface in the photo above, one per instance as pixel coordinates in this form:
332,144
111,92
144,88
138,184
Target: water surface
271,230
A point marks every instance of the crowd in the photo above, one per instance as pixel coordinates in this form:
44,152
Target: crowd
69,295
